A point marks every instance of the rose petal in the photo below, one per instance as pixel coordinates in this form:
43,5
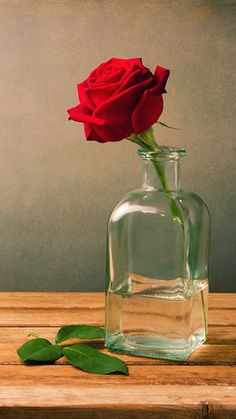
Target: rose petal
117,112
130,79
100,94
84,96
161,75
82,114
128,63
109,133
91,134
99,69
87,130
119,61
147,111
109,74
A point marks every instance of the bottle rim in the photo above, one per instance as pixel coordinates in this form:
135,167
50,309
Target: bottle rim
162,152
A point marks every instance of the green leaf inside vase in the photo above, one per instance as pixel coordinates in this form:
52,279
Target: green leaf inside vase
80,332
39,351
88,359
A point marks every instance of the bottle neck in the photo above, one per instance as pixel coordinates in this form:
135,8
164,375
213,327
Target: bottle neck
161,174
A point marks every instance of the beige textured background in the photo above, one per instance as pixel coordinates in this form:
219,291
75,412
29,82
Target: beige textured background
56,190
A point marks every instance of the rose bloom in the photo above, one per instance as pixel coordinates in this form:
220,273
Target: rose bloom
119,98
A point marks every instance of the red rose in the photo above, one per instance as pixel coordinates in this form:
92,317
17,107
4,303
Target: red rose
119,98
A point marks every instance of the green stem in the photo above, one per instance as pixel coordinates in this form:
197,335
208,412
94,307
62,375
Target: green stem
147,140
174,209
161,175
204,313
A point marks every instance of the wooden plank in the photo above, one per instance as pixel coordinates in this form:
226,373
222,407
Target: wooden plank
32,309
85,299
105,412
221,335
51,317
214,355
66,377
223,317
204,410
52,299
142,374
134,396
85,315
219,301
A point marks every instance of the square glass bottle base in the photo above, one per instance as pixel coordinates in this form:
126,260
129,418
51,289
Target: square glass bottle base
167,321
154,347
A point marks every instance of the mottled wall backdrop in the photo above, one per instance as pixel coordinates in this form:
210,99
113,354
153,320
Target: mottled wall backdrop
57,190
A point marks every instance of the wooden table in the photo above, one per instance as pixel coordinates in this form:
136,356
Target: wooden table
204,386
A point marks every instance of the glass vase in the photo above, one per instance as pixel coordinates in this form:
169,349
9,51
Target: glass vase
157,265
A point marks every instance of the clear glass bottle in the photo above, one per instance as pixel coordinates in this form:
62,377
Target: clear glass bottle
157,265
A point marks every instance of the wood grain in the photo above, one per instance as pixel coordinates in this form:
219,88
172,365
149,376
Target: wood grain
54,300
146,397
203,386
86,299
60,316
138,374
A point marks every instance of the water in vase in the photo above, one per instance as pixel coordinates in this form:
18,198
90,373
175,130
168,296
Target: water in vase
157,318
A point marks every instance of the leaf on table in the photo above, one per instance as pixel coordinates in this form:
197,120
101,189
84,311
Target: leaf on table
80,332
39,351
88,359
166,126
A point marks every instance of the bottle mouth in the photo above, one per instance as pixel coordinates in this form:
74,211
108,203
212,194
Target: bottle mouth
163,152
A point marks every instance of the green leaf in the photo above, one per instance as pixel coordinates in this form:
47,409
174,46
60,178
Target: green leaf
90,360
39,350
80,332
167,126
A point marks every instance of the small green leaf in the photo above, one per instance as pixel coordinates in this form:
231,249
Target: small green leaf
167,126
90,360
80,332
39,350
